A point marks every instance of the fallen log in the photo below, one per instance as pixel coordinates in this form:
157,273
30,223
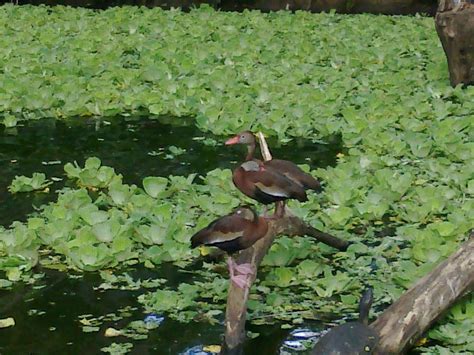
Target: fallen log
401,325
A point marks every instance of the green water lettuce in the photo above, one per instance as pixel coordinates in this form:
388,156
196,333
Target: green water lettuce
402,191
37,182
327,80
103,222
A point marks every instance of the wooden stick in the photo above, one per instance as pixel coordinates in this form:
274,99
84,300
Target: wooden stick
400,326
264,147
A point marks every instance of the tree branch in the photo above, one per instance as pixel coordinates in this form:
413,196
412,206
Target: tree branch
264,147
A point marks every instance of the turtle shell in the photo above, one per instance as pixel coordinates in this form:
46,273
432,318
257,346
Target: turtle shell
347,339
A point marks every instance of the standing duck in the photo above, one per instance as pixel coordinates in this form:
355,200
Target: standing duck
284,167
236,231
265,185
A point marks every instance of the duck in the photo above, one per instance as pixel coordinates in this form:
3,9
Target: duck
270,181
284,167
265,185
231,233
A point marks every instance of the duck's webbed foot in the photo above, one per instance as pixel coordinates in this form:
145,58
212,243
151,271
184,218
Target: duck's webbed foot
240,274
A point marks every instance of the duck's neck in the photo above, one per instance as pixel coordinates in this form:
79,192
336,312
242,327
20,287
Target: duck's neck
250,151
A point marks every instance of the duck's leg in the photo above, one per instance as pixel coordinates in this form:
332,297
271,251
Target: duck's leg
275,214
244,269
279,210
283,208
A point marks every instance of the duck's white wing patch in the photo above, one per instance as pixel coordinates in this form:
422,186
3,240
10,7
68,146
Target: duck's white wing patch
272,190
220,237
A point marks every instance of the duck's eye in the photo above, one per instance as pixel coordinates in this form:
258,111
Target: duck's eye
239,211
242,137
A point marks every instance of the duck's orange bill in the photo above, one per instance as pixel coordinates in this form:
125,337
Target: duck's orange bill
233,140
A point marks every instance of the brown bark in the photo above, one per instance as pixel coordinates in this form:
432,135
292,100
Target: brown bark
237,298
455,26
400,326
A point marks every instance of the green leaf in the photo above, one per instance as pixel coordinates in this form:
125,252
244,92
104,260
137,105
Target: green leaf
281,276
309,269
7,322
92,215
340,215
444,228
106,231
92,163
9,121
154,185
25,184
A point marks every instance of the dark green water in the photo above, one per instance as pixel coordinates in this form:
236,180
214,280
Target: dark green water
126,146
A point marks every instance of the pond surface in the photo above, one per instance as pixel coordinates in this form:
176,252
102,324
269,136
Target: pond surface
47,313
136,149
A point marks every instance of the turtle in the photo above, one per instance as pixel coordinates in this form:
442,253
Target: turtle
351,338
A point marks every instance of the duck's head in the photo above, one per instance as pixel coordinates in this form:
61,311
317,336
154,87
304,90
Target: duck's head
247,212
245,137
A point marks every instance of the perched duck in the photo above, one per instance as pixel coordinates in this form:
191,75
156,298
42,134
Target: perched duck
351,338
265,185
270,181
236,231
284,167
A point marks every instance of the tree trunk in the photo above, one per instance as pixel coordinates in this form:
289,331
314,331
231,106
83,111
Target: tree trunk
400,326
455,26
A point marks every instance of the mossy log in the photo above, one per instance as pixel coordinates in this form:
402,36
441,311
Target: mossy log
455,26
402,324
